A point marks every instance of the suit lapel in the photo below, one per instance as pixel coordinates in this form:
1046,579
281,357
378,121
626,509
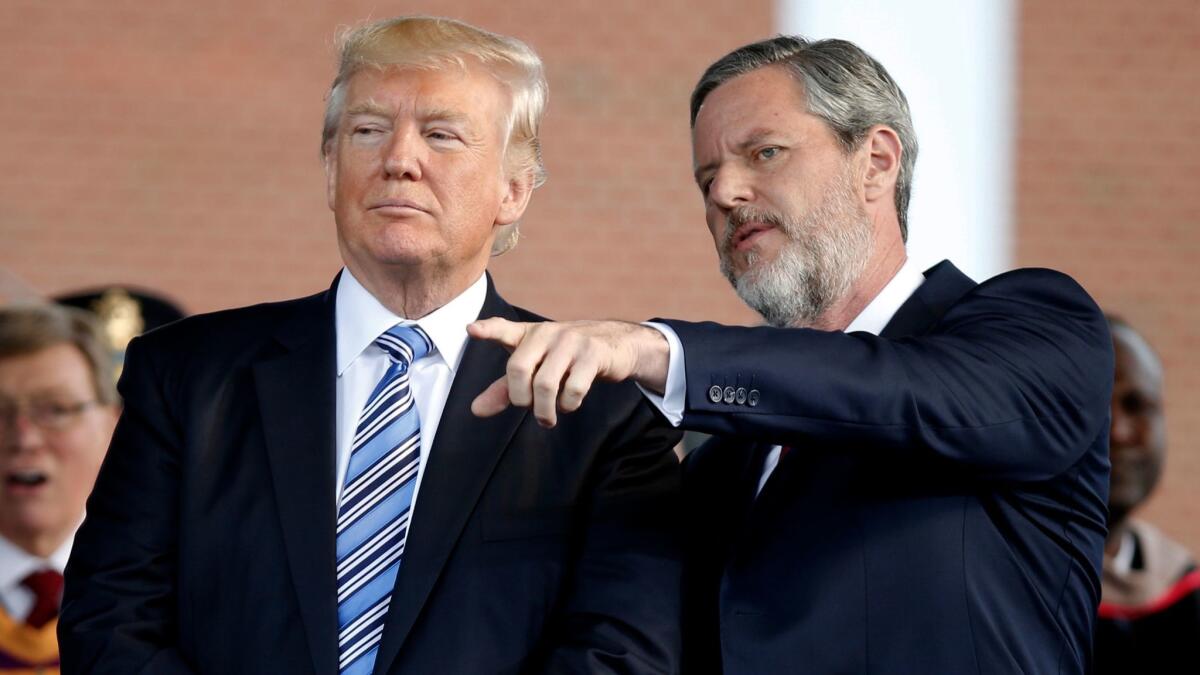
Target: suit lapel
297,402
463,456
944,285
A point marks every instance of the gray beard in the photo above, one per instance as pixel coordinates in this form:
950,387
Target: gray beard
826,253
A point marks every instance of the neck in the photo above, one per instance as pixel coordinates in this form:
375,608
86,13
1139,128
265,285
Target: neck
881,268
413,294
41,544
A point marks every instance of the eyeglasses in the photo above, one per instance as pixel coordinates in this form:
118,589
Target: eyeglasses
46,416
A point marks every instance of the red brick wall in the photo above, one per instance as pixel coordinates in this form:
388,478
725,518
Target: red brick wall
1108,157
174,145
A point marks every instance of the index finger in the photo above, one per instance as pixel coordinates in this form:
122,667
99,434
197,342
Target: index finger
508,333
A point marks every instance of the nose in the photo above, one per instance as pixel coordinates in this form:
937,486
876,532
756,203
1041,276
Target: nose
1124,429
20,433
729,188
405,155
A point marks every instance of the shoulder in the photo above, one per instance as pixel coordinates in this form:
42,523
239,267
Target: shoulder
1038,284
1031,297
232,334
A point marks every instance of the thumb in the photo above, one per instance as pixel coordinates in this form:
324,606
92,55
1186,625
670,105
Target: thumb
492,401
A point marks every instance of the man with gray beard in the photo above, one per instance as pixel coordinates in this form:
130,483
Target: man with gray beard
909,470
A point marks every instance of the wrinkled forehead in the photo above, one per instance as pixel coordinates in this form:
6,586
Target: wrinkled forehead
750,106
466,93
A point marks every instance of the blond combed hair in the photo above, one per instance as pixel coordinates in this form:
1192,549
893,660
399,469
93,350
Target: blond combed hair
438,42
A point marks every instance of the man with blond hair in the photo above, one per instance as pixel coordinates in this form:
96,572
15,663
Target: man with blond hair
300,487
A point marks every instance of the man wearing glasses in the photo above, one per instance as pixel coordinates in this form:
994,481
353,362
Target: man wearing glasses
58,407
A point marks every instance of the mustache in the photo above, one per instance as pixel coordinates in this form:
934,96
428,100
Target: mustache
748,214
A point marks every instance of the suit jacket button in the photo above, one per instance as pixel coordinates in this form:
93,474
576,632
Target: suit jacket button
752,398
741,396
730,393
714,393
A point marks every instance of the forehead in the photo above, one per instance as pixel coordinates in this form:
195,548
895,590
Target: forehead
767,96
57,367
1136,362
469,91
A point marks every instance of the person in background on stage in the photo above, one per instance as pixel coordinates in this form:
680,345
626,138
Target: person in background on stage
1150,589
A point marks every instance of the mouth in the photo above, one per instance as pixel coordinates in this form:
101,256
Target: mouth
747,233
25,479
397,207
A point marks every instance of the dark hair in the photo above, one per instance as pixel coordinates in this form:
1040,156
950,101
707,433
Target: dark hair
843,85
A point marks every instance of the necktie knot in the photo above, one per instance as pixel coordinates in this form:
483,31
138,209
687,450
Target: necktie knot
405,344
46,586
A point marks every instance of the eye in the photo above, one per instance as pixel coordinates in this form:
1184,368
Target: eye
441,135
705,184
366,131
769,152
1136,404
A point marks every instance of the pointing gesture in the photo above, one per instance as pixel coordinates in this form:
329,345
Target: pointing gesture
553,364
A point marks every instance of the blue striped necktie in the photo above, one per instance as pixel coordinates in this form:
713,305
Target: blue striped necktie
373,515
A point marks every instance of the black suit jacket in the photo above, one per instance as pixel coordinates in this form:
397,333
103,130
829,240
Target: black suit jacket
942,510
209,540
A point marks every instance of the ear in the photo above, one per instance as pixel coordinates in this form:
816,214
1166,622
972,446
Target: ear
517,191
883,166
329,162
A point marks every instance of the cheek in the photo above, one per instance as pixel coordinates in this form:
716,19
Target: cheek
80,456
716,224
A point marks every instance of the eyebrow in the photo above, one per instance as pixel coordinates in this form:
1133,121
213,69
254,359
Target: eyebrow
446,115
433,114
755,137
368,108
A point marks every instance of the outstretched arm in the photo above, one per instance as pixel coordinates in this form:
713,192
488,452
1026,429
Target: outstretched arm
554,364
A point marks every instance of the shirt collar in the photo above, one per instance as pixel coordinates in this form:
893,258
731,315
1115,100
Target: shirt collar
876,315
1122,562
16,563
359,318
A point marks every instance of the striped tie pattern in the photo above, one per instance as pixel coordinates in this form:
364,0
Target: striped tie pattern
376,499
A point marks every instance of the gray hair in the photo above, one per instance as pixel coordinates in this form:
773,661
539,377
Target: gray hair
437,42
843,85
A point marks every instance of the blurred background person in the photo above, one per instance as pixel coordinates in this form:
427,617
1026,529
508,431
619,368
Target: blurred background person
58,406
1150,587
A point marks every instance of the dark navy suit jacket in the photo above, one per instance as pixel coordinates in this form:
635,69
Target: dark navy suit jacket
209,540
942,510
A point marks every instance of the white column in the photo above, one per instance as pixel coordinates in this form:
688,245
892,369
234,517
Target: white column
955,61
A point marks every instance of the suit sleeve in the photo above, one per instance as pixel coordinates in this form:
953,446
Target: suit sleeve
1013,382
622,611
118,613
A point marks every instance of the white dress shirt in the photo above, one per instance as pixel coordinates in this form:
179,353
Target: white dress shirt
872,319
15,565
359,318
